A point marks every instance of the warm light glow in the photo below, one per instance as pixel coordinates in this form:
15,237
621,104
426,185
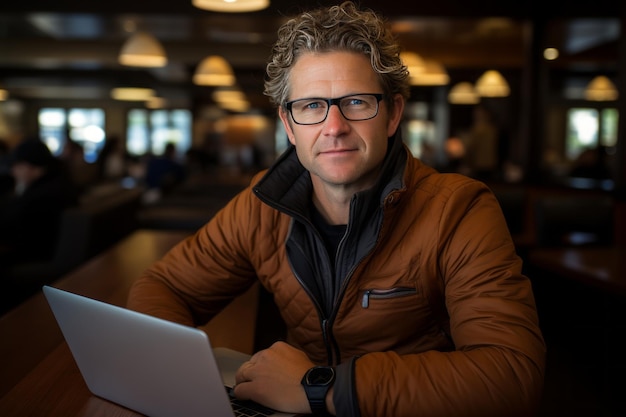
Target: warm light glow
4,94
414,63
228,94
463,93
433,74
492,84
550,54
601,89
236,106
142,50
231,6
231,99
214,70
132,94
156,103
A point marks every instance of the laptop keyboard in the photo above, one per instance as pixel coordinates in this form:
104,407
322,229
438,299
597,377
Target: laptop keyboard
244,408
247,408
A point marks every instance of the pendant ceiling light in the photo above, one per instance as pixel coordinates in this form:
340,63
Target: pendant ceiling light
231,6
214,71
601,89
432,74
231,98
132,94
463,93
492,84
155,102
414,63
142,50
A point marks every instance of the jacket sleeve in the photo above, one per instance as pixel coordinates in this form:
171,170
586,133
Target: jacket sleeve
199,276
497,366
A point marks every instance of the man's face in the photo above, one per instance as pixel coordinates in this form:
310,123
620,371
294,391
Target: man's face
339,152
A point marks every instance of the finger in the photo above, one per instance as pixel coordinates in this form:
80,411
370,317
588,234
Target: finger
243,373
241,392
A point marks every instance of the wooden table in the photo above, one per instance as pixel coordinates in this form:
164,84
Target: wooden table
601,267
38,374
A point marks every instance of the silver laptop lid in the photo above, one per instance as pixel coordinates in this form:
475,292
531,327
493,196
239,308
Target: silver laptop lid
149,365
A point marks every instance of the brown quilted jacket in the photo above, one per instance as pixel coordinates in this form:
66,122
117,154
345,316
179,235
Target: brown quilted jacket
431,301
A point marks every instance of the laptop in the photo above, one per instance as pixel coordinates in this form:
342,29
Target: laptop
149,365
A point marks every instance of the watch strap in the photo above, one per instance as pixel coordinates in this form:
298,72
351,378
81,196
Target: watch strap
316,393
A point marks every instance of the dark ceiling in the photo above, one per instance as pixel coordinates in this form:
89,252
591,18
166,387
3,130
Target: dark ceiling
68,49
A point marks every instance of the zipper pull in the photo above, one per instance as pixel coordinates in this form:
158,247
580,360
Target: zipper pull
365,302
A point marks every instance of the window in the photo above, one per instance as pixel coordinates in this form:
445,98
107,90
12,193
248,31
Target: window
589,128
150,130
84,126
52,127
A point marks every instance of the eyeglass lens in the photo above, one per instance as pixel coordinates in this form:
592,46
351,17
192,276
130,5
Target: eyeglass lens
315,110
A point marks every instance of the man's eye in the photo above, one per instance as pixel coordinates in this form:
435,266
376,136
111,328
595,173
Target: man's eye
313,105
354,102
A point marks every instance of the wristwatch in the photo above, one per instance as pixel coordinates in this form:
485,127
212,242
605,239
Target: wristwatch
316,382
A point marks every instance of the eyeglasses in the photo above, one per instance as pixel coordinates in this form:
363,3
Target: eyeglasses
311,111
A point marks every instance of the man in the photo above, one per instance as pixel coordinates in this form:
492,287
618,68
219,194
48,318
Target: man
401,284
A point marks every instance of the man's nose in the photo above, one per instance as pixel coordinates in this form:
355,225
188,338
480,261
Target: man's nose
335,121
334,112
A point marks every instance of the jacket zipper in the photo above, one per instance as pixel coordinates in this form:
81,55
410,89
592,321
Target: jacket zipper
384,294
329,323
324,322
342,291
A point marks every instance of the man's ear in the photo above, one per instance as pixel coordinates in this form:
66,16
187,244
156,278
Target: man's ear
284,118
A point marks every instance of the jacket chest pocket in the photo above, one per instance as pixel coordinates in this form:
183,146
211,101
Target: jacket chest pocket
395,303
373,295
393,318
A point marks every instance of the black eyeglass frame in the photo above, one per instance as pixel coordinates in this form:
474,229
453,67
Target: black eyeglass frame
335,101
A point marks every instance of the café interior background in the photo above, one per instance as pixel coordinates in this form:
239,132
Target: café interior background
60,63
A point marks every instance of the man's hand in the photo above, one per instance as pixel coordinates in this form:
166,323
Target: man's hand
272,378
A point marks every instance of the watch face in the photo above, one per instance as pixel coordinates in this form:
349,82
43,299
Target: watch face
320,375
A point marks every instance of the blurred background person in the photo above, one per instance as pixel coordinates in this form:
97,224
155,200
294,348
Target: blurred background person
82,173
592,163
482,145
163,173
112,160
30,216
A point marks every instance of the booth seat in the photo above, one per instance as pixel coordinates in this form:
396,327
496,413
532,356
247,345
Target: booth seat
85,231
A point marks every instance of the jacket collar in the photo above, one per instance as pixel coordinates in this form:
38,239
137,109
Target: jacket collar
287,185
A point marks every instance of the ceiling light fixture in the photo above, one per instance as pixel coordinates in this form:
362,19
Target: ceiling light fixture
222,94
433,74
601,89
550,54
132,93
155,102
492,84
231,6
142,50
231,98
215,71
463,93
414,63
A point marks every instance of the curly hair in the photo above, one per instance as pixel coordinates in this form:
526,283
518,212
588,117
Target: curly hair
338,28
